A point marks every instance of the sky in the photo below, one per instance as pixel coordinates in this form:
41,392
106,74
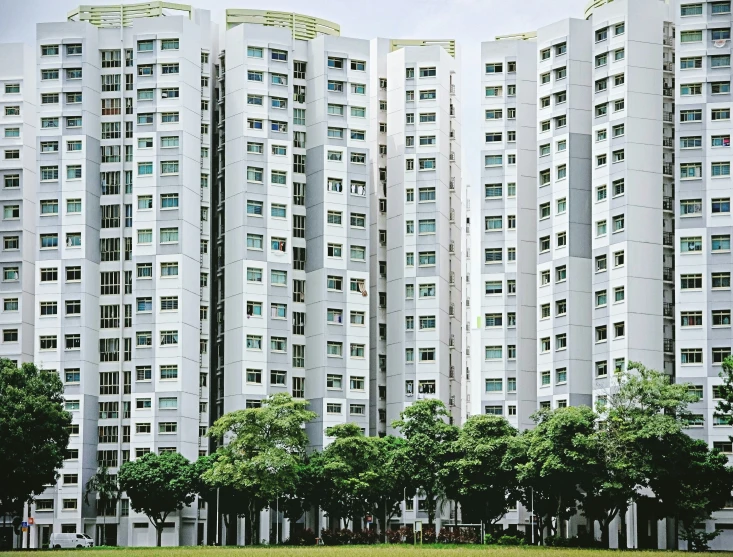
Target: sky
470,22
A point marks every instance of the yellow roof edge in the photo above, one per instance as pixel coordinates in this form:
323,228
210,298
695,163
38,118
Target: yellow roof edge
303,26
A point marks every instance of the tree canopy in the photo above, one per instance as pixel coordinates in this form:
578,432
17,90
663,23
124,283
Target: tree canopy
158,485
34,432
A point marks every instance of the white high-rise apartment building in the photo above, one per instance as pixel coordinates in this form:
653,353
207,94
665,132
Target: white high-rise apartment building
702,215
124,125
501,239
296,110
18,173
415,220
609,224
599,232
307,242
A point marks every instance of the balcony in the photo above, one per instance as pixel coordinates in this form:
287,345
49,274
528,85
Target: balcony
668,66
452,372
452,311
668,91
452,157
668,142
668,116
452,89
452,341
452,247
668,203
452,215
667,170
668,310
452,184
668,238
668,274
668,41
669,346
452,277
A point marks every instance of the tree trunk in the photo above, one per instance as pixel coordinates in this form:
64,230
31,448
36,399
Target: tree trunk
605,536
158,534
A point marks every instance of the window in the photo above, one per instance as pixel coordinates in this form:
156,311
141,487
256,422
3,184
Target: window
719,280
720,88
721,318
720,242
690,116
691,356
600,263
691,244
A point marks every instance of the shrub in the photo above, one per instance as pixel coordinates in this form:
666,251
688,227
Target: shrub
508,539
304,537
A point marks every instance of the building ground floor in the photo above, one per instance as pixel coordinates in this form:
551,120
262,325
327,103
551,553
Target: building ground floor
639,528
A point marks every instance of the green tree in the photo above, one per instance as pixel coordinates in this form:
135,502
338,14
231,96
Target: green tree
263,456
158,485
480,475
389,487
555,462
428,436
34,433
107,491
347,470
642,411
690,482
725,405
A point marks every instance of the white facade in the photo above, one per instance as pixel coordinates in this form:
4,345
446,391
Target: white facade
18,173
599,232
502,237
702,216
416,227
122,256
609,225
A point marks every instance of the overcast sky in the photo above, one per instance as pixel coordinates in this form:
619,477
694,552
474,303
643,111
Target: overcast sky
468,21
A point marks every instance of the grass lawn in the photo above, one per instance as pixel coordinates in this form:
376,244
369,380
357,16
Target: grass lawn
356,551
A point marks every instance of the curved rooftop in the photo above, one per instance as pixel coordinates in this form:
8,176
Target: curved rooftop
593,4
303,27
122,15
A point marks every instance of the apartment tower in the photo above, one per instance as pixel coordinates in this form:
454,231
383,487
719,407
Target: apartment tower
124,126
19,188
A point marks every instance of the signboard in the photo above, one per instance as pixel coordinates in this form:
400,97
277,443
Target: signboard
418,526
31,520
24,524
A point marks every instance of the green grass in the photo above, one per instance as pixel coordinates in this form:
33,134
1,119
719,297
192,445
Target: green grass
358,551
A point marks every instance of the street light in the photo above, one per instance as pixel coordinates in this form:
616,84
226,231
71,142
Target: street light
532,517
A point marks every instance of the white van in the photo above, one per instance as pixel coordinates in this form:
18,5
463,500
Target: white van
67,541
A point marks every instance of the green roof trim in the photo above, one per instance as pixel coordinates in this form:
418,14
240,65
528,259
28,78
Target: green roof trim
122,15
303,27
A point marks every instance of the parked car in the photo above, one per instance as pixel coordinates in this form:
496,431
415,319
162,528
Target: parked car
66,541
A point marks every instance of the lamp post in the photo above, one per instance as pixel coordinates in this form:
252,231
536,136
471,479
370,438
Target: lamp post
532,517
